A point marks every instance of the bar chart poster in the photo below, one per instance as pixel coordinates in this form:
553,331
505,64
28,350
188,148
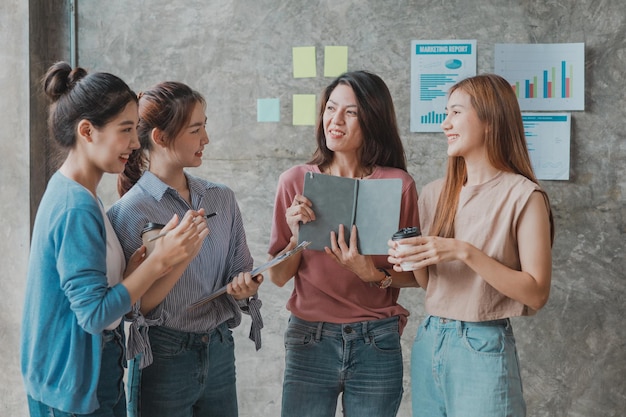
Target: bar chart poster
548,142
544,76
435,66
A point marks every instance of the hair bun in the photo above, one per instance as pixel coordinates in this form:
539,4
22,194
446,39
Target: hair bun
75,76
60,79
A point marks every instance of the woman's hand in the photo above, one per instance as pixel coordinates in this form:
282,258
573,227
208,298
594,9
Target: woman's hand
244,285
419,252
183,241
348,256
156,274
422,251
135,260
300,211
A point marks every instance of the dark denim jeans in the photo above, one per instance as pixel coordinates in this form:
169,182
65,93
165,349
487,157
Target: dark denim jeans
361,360
111,394
192,375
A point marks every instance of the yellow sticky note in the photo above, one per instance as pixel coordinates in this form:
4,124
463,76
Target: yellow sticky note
335,60
304,62
304,109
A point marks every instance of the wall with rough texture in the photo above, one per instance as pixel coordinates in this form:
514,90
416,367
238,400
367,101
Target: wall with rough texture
234,51
14,196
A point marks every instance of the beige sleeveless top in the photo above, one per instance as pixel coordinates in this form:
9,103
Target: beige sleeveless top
487,218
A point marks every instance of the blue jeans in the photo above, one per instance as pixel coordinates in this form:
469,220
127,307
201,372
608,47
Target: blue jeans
193,374
110,393
465,369
361,360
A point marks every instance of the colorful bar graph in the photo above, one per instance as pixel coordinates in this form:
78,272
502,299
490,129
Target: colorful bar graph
548,84
544,76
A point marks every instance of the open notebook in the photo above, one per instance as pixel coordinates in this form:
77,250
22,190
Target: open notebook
373,205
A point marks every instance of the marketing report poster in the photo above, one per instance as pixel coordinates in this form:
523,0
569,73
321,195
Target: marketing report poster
436,65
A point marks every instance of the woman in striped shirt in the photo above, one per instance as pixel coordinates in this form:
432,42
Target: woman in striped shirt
187,363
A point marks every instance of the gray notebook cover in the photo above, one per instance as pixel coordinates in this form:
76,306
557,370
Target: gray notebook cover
373,205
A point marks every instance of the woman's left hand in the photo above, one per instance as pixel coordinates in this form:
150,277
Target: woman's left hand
244,285
135,260
422,251
347,255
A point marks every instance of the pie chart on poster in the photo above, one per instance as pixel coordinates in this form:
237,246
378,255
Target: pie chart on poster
454,63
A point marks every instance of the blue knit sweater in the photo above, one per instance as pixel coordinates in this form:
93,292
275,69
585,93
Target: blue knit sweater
68,301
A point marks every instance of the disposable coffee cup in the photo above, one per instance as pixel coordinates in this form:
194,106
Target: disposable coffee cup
149,231
403,234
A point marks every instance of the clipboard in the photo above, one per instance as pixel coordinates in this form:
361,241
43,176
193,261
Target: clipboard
256,271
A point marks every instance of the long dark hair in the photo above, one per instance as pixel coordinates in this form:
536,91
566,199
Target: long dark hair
377,118
167,107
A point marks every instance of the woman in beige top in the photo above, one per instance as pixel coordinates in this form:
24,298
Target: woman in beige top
485,256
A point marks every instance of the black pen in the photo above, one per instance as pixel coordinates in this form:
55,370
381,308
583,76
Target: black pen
152,239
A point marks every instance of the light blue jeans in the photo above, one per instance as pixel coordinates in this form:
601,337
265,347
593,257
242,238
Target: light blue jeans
361,360
110,384
465,369
193,374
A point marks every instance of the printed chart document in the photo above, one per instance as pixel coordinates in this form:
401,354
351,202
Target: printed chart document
373,205
548,141
545,77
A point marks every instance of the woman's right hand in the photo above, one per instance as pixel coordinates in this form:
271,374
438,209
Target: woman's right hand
183,240
300,211
171,254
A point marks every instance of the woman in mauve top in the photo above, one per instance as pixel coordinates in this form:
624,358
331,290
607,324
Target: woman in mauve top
344,331
485,256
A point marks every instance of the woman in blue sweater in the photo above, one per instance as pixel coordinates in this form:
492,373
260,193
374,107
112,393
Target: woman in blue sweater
78,285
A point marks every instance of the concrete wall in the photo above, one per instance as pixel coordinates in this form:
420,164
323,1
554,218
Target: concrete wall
14,192
235,51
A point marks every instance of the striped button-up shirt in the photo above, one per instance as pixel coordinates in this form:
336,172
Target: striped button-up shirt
223,255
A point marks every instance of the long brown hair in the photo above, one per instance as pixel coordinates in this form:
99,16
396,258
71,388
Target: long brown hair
167,107
497,107
382,145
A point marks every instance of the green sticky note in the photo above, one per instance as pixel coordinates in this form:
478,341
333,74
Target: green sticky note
304,62
304,109
335,60
268,110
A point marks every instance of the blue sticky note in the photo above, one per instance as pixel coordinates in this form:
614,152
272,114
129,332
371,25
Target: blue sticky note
268,110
